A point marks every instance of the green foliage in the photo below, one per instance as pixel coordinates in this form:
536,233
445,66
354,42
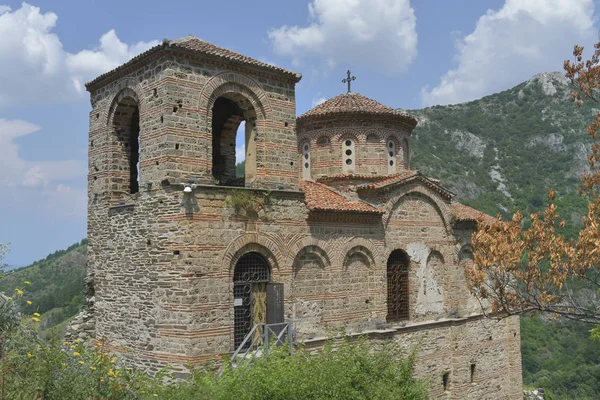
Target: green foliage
249,202
34,368
57,284
240,169
561,357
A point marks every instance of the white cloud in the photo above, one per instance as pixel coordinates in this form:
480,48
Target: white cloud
240,143
18,172
512,44
36,68
240,154
318,100
381,33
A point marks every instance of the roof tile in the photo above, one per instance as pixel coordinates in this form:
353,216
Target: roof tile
191,43
466,213
320,197
355,103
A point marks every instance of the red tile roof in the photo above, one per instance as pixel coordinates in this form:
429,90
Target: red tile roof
466,213
201,47
206,48
320,197
390,179
356,104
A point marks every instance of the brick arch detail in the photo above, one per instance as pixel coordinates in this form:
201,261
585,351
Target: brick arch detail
365,246
442,208
339,135
234,82
313,250
362,251
306,242
265,246
127,87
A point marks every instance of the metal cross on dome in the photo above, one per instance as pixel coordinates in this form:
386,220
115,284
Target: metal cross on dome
348,80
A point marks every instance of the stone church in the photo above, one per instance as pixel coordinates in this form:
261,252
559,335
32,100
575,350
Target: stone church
328,228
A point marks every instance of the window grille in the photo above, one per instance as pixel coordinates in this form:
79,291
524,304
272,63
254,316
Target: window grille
397,286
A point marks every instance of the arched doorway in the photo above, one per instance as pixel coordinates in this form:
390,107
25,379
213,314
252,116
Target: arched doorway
397,286
250,278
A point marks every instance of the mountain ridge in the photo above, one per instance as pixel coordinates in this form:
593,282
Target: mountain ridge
501,153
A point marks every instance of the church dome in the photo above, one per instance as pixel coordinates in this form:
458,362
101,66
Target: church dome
355,105
353,134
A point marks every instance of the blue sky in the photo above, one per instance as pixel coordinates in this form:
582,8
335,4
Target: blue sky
404,53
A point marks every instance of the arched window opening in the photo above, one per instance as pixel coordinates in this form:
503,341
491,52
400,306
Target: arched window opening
126,124
305,161
232,114
348,155
391,156
250,277
397,286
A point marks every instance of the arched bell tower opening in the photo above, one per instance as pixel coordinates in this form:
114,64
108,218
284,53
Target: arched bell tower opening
228,113
125,163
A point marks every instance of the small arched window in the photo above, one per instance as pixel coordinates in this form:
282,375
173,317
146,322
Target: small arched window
348,155
305,162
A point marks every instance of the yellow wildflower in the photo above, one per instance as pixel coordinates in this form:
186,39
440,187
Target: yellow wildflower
101,379
155,395
92,368
110,372
112,361
29,355
76,354
36,314
81,362
27,283
19,291
9,298
34,319
29,302
73,347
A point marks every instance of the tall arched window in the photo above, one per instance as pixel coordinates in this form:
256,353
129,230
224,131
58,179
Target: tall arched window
397,286
391,156
125,164
228,113
305,160
348,155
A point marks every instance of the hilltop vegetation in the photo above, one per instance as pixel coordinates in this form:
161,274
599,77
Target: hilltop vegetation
501,153
57,289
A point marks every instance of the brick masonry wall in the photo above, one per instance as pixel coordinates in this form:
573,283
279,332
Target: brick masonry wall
371,146
162,261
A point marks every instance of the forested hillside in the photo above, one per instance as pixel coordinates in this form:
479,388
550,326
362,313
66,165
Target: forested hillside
57,284
501,153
